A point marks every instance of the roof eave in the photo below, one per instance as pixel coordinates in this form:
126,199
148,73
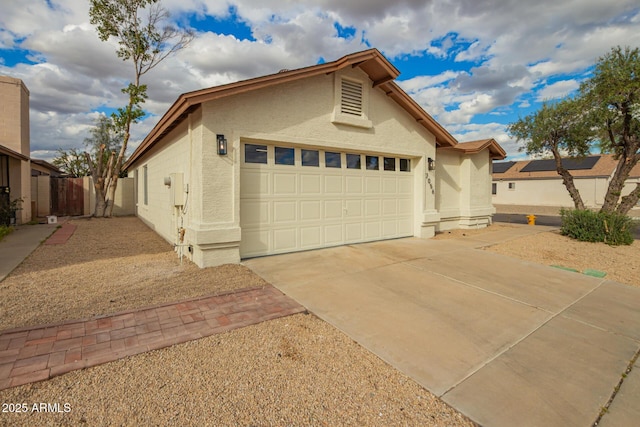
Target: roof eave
11,153
371,61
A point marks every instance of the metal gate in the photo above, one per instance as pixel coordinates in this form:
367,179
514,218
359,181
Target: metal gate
67,197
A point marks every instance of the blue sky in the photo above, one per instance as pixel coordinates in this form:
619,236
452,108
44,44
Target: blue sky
475,66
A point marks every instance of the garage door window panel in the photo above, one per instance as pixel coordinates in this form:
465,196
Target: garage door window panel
390,164
310,158
285,156
405,165
332,160
372,163
255,153
353,161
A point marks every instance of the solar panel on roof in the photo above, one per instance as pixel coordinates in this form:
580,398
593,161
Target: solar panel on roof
569,164
502,167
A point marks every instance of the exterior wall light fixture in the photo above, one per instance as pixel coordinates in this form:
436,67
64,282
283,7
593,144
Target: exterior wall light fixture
222,145
431,164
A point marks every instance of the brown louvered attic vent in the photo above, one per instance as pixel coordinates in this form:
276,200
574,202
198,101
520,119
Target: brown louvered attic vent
351,101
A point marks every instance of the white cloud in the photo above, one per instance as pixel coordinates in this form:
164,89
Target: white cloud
515,47
558,90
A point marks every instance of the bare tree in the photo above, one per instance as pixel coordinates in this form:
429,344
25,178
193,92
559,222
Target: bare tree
145,41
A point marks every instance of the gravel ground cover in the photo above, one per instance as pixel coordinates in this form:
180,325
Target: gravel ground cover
291,371
107,266
621,263
296,370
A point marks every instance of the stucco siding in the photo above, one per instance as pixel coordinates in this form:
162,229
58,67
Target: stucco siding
171,157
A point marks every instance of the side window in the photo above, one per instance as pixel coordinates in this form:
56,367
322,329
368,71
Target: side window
332,160
512,186
353,161
494,188
310,158
255,153
372,163
405,165
145,184
389,164
285,156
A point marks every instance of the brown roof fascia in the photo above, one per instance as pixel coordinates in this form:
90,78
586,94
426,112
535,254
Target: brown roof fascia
189,100
9,152
473,147
370,61
46,165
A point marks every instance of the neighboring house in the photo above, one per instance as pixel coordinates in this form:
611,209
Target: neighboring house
536,182
42,167
327,155
15,169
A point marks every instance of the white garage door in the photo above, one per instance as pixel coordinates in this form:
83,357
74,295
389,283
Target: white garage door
294,199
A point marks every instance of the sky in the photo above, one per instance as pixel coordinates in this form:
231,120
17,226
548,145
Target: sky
474,65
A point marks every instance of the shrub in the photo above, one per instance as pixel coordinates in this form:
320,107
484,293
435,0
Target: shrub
4,230
588,226
8,211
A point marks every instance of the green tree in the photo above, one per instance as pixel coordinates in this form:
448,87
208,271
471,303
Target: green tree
604,113
104,138
72,162
145,39
555,128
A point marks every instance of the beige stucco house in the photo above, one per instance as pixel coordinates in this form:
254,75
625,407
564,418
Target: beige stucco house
327,155
15,169
534,183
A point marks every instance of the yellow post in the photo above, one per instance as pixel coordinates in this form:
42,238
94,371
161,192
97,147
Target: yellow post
531,219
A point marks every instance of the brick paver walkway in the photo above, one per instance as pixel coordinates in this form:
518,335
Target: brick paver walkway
61,235
38,353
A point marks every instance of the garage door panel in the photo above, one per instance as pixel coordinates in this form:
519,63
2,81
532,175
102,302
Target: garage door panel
405,206
389,228
256,182
284,184
285,239
332,209
255,242
405,227
354,185
390,207
310,210
390,185
310,184
353,232
333,234
371,208
333,184
372,230
372,185
405,185
353,208
284,211
310,237
256,212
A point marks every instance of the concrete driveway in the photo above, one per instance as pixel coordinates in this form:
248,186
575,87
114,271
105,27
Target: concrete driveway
505,342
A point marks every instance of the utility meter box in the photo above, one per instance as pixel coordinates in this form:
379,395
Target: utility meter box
177,189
